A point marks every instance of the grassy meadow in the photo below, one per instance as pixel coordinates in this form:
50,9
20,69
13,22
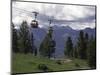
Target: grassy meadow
23,63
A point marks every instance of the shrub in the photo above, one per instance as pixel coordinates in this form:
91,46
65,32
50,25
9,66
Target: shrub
58,62
42,67
77,65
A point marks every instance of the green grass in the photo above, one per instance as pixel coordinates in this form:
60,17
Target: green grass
22,63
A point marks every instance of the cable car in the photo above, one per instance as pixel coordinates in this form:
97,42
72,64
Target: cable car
34,24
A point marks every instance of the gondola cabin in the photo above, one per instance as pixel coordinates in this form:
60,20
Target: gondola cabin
34,24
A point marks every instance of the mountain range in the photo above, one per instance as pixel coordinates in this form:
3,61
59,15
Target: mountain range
60,35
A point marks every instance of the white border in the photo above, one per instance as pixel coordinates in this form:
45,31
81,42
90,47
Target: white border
5,37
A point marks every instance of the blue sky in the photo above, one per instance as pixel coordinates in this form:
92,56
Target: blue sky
75,16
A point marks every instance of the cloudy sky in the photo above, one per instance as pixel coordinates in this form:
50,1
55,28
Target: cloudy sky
75,16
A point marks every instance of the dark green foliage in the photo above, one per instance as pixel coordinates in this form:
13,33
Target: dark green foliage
92,53
86,37
14,39
34,49
24,38
44,47
87,48
43,67
75,52
86,43
82,49
69,47
58,62
77,65
47,47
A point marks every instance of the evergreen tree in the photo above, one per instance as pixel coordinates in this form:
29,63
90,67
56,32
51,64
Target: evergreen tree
75,52
34,49
14,39
47,47
24,38
82,46
69,47
86,37
86,43
92,53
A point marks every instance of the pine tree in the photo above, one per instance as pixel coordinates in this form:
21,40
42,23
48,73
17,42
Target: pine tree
92,53
69,47
14,39
86,43
47,47
24,38
82,46
34,49
75,52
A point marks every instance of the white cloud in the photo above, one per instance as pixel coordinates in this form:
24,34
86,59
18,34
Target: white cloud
78,26
80,17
